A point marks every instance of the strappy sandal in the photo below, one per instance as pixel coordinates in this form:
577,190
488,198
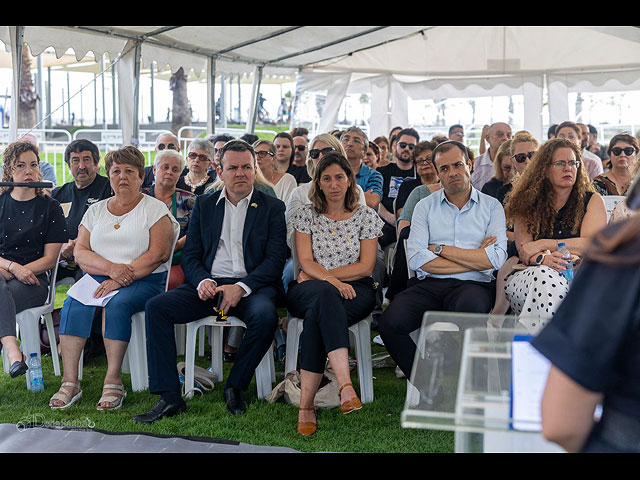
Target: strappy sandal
65,395
307,428
350,405
113,394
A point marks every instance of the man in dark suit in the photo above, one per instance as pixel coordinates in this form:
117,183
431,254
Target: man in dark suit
236,246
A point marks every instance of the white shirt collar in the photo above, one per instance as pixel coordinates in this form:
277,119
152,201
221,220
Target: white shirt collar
223,194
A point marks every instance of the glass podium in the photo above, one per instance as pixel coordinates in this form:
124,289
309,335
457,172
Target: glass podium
462,382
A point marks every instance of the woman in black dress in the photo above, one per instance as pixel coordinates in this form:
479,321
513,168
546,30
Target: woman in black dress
593,344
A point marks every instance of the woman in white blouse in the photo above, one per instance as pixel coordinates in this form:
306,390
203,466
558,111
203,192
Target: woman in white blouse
124,243
336,242
283,183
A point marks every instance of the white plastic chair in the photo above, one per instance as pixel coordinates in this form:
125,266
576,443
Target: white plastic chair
135,358
361,332
610,201
265,373
28,320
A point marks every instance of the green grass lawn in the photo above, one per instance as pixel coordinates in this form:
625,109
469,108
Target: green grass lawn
375,428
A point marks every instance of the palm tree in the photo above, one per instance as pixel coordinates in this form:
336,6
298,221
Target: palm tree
28,95
181,111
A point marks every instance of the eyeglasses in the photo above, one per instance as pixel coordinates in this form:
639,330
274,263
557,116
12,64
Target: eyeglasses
406,145
201,157
563,163
301,148
170,146
263,154
522,157
315,153
628,151
425,161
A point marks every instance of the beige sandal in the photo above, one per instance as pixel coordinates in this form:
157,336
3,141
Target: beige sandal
65,395
113,394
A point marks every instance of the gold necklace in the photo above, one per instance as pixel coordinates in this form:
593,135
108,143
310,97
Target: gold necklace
119,220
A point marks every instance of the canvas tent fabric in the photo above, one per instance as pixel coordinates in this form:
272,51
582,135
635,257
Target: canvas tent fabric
391,63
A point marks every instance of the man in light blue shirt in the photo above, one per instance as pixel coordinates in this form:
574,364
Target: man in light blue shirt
458,238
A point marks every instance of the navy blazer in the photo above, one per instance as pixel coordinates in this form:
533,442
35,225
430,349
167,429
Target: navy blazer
264,242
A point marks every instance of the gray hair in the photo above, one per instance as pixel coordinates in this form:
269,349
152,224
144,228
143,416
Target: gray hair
166,154
359,132
202,144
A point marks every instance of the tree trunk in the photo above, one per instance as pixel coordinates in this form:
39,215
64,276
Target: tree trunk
181,111
28,95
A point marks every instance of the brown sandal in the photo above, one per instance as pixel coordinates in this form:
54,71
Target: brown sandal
307,428
350,405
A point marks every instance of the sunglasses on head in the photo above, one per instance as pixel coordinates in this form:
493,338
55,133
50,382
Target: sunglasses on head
405,145
315,153
628,151
170,146
522,157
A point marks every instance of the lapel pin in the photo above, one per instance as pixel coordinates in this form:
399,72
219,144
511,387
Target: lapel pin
254,205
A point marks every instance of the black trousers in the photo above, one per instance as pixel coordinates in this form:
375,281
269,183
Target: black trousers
183,305
327,317
15,297
404,314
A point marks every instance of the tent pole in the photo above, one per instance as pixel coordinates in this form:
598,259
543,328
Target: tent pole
17,35
255,100
211,95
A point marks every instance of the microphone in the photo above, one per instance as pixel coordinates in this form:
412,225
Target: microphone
27,184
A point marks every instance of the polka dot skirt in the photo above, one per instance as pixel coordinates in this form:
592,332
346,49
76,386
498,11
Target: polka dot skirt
536,293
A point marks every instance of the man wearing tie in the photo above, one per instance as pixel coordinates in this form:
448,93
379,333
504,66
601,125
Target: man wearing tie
236,245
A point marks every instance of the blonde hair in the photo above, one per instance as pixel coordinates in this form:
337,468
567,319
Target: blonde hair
522,137
329,139
503,151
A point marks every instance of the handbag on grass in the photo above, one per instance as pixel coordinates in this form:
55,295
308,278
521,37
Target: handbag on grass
203,379
327,395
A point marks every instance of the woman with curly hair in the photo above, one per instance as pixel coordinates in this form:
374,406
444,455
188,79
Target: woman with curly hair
32,231
553,202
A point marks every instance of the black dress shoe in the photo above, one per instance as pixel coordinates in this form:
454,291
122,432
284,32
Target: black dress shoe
229,357
162,409
18,368
236,403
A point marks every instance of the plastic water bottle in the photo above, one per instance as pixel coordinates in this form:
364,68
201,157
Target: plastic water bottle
566,256
35,374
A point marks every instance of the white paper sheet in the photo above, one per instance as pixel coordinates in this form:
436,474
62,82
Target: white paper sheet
84,289
529,373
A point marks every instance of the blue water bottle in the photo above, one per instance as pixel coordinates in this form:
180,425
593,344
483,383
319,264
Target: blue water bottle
566,256
35,374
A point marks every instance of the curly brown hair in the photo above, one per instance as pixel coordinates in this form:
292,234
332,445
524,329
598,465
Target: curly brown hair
10,156
532,199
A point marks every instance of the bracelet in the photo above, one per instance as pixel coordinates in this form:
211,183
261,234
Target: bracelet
9,266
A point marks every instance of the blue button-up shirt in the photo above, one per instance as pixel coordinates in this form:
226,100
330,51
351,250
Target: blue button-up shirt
369,179
437,221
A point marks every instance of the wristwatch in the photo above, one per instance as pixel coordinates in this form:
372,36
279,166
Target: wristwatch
540,258
438,249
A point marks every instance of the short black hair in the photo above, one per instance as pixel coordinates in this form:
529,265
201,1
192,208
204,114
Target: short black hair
237,145
82,145
445,147
223,137
408,131
453,127
592,129
552,130
250,138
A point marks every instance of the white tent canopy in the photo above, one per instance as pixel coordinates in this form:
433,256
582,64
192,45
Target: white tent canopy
393,64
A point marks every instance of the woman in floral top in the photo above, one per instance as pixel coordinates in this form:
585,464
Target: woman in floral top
336,245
